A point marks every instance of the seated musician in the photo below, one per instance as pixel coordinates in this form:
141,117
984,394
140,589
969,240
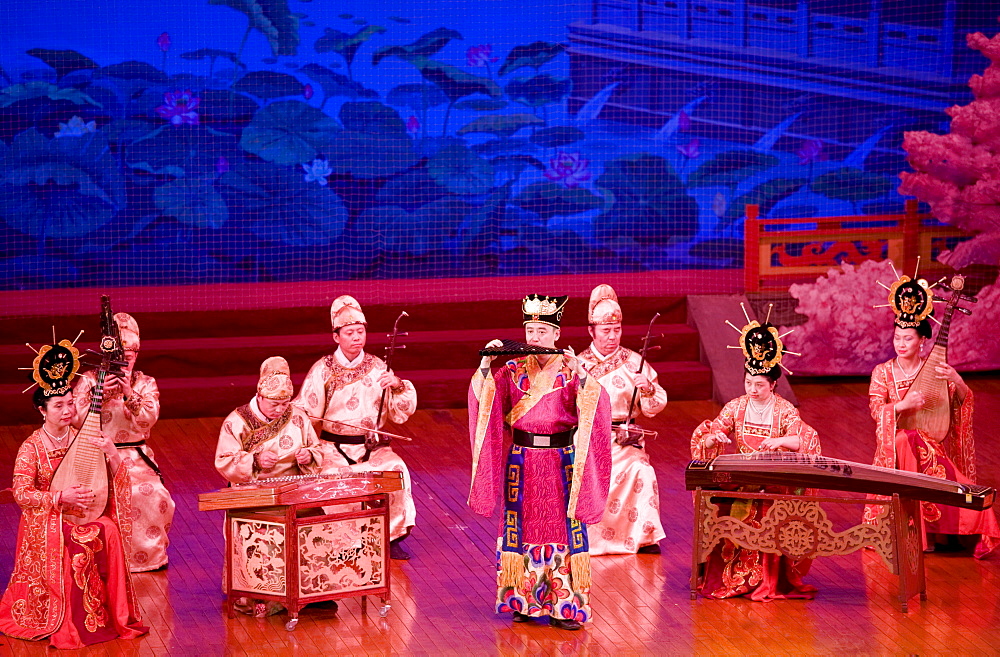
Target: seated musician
631,521
131,406
268,437
954,457
343,393
70,582
264,439
541,434
760,420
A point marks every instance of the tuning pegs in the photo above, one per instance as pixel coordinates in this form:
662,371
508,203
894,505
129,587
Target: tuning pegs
964,310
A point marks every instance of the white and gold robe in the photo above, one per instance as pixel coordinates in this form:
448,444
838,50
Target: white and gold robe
131,422
342,391
246,433
632,517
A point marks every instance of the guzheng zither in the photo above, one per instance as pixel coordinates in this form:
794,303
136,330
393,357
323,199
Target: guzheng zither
792,469
281,491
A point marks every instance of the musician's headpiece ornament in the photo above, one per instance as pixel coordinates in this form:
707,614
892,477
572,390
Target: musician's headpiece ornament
129,330
55,366
345,311
911,301
547,310
604,308
762,346
275,381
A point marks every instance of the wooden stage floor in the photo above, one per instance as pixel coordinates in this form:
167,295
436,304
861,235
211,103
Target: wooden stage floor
442,598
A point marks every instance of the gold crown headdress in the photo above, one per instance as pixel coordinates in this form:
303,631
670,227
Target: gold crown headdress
55,366
761,344
544,309
911,299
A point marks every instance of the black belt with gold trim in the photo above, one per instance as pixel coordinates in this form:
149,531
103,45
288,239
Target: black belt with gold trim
340,439
138,443
561,439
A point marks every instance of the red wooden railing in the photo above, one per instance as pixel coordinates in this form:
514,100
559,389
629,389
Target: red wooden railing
778,252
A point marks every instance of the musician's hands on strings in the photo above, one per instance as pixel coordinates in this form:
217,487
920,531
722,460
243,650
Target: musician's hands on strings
389,380
267,459
913,401
487,361
718,437
77,497
103,442
790,443
627,438
948,373
303,456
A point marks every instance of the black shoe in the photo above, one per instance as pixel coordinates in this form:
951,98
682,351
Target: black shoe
397,552
521,618
565,623
653,548
325,604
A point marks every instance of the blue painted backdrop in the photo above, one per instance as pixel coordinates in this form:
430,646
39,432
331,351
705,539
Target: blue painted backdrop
206,141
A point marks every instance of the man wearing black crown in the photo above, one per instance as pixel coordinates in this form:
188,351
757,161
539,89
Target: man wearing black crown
541,434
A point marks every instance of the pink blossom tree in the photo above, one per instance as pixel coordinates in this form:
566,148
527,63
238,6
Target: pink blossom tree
958,174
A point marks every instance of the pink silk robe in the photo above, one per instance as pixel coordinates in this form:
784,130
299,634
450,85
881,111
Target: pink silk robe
954,458
732,571
152,506
57,588
559,409
337,393
632,517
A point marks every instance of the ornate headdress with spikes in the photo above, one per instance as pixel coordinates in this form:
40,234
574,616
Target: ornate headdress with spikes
547,310
55,366
911,299
761,345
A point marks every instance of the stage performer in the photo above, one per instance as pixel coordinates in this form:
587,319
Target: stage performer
552,478
760,420
914,450
268,437
131,406
342,393
631,521
70,582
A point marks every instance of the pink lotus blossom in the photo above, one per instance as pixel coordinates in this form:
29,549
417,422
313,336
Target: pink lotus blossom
568,168
308,91
221,165
178,107
317,172
412,125
163,41
690,150
683,121
480,55
811,151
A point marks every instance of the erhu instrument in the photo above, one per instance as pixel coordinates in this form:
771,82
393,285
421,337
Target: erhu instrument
390,350
84,463
934,417
632,431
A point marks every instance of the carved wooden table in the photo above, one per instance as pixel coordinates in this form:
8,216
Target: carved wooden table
797,526
321,540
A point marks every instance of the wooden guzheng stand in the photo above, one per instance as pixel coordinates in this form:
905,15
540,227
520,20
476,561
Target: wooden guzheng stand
283,545
797,526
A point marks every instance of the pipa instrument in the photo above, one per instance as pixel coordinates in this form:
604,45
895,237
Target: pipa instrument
934,416
84,463
808,471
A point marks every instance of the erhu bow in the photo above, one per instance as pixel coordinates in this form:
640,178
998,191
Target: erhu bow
634,431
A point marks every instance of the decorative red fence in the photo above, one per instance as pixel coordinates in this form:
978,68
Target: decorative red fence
778,252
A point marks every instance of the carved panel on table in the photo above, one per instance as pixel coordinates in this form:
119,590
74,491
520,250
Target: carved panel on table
258,556
827,254
797,528
341,556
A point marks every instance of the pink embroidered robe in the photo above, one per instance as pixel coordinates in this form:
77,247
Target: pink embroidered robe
730,570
